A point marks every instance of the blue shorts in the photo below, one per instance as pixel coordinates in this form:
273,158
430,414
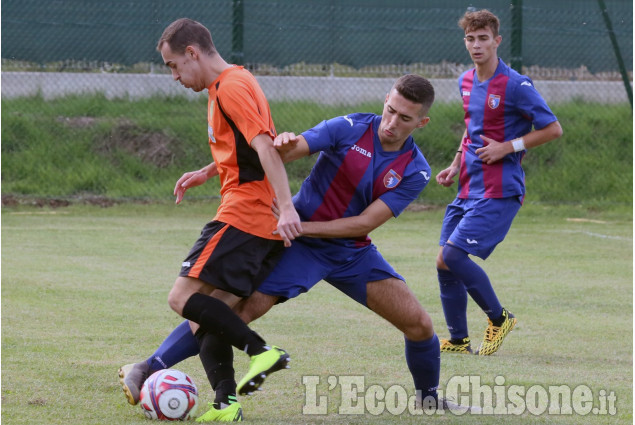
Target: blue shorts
310,260
477,225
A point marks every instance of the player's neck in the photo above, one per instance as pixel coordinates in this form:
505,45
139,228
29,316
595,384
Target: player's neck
485,71
392,147
216,65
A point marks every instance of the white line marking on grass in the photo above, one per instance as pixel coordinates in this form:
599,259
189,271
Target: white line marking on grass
598,235
586,220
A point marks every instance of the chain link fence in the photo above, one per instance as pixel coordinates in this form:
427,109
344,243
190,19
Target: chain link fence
82,81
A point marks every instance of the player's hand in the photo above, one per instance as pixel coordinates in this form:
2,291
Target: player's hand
284,139
289,226
275,209
494,150
446,177
188,180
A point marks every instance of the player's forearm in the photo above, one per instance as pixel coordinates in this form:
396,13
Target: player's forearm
210,170
291,147
376,214
544,135
274,169
349,227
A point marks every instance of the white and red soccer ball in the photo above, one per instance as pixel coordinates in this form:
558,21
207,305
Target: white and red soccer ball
169,395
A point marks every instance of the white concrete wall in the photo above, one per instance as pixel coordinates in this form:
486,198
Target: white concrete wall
324,90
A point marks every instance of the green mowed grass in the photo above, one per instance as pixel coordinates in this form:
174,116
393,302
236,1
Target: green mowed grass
84,291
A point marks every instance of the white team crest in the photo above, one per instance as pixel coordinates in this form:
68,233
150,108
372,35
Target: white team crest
493,101
391,179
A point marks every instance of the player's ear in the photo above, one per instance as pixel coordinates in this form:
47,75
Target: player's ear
424,121
192,52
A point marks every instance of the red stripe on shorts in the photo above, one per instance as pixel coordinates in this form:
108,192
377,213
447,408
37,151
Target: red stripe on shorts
195,271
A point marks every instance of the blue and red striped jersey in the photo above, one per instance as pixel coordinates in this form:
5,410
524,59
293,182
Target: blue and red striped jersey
353,170
503,108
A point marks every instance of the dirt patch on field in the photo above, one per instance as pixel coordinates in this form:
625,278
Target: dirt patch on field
154,147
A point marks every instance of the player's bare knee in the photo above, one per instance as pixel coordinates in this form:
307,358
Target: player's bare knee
422,329
174,300
178,296
440,263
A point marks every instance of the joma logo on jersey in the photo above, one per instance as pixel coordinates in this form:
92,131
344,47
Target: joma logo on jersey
391,179
361,150
466,93
493,101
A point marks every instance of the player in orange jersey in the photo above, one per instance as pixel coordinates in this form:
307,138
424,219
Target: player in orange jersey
240,246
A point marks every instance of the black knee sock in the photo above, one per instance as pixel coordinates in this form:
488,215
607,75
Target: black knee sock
217,358
217,318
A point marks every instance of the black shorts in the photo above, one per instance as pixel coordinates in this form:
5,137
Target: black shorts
230,259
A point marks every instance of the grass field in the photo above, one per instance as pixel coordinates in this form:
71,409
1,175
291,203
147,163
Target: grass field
84,291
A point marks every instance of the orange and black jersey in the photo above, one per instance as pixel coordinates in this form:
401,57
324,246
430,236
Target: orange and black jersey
238,111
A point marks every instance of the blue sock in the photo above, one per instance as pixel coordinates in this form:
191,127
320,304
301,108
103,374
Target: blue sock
475,279
178,346
454,302
424,361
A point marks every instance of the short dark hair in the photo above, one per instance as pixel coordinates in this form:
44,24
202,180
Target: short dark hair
476,20
416,89
186,32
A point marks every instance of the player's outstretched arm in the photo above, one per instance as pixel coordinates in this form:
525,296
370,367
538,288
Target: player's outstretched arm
376,214
291,147
192,179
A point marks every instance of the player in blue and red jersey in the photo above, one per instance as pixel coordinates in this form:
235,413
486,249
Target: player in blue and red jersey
368,171
504,116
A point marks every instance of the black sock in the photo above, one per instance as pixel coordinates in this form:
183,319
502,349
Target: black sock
217,318
217,358
225,394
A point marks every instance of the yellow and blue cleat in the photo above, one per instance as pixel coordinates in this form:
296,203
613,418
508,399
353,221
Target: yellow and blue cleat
463,347
494,335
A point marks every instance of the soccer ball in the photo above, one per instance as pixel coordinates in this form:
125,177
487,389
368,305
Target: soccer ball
169,395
